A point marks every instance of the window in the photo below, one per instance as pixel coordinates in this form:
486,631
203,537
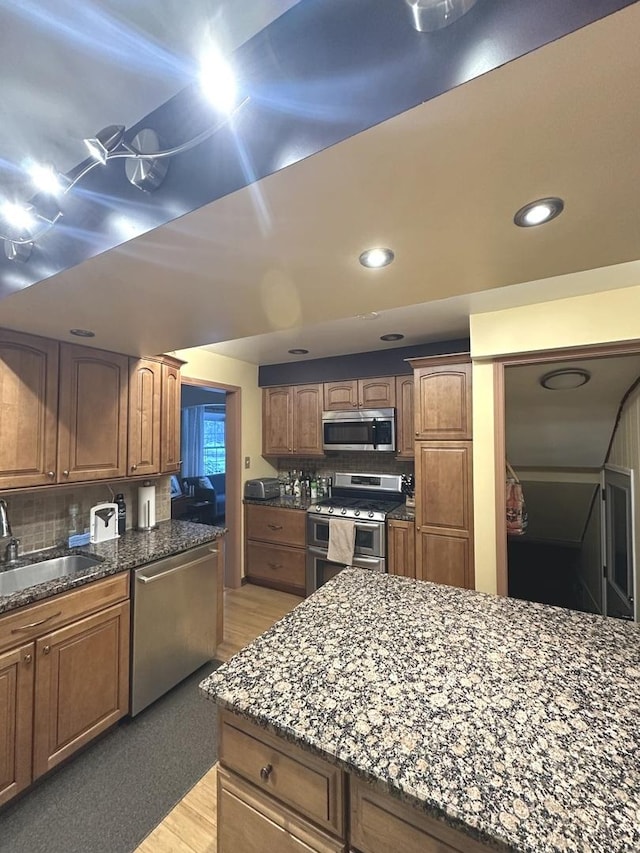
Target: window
214,446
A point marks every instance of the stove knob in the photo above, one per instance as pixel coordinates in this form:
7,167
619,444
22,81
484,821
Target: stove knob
357,513
371,515
343,511
330,510
318,509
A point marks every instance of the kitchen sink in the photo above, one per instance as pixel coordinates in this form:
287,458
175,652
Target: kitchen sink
22,577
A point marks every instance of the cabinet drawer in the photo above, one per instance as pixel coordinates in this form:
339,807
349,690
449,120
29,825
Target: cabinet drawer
309,785
275,563
37,619
252,823
271,524
382,824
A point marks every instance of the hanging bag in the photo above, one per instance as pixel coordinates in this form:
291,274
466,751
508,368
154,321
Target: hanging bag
516,510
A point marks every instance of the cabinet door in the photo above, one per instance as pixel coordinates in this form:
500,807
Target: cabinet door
16,720
277,421
444,559
405,429
92,440
307,419
28,410
401,548
443,402
443,487
341,395
377,393
145,378
82,684
170,459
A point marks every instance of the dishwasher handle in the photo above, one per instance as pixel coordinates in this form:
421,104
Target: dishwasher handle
151,578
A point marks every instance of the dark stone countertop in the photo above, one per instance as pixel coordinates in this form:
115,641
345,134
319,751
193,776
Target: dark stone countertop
286,502
133,549
512,721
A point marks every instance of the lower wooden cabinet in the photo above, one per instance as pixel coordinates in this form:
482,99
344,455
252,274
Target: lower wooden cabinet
275,547
16,720
401,550
60,689
444,559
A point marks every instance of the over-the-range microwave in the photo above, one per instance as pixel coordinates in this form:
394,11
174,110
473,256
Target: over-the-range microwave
363,429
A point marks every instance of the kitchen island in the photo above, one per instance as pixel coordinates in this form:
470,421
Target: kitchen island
513,723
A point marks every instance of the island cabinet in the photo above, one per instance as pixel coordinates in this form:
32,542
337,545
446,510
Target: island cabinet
292,421
272,795
443,470
401,549
276,547
379,393
64,677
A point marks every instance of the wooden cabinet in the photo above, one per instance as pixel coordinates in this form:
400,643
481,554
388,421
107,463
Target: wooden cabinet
444,474
67,680
292,421
380,823
379,393
401,553
275,547
443,398
405,417
28,410
145,395
93,402
16,720
170,457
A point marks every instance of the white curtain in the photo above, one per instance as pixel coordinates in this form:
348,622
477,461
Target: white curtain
193,441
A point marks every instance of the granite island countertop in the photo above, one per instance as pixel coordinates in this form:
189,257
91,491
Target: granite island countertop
516,722
133,549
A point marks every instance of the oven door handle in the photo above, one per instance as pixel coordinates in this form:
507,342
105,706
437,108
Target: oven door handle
322,552
362,525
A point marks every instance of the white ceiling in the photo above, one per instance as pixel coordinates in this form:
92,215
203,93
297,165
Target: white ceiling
440,184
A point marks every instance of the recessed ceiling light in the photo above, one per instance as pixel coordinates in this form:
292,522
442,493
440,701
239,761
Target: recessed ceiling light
565,380
299,351
538,212
393,336
376,258
372,315
82,333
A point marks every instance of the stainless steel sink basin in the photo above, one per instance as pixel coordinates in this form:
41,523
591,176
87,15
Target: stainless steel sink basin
22,577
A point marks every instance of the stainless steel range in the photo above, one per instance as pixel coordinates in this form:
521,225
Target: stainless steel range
366,499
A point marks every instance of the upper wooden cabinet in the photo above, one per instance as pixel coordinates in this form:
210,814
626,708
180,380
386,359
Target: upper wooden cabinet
145,395
28,410
93,402
170,455
442,397
405,416
360,394
292,420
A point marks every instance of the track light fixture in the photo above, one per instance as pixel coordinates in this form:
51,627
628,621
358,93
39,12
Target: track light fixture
146,166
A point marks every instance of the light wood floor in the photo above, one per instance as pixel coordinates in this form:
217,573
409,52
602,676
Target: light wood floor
191,826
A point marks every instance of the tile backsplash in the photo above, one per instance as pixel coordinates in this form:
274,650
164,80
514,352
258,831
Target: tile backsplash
360,462
40,518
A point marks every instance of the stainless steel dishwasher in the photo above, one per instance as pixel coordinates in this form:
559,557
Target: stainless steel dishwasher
174,621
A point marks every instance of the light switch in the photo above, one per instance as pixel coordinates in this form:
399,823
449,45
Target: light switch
247,462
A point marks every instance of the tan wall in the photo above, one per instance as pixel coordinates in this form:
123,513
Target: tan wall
579,321
625,452
204,365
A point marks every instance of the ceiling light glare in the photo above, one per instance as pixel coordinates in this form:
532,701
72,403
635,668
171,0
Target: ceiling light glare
538,212
82,333
565,380
376,258
18,217
218,82
45,178
298,351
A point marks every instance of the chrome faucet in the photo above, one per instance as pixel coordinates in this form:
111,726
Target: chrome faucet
5,527
10,555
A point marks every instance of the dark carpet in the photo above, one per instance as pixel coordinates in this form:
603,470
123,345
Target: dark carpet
109,797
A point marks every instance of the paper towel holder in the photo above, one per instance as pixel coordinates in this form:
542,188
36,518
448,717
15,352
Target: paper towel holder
147,507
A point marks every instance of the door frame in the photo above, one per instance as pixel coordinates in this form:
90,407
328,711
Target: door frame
500,444
233,489
631,513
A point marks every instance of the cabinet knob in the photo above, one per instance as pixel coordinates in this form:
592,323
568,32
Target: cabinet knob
275,565
265,772
51,475
272,526
65,473
46,650
134,467
27,658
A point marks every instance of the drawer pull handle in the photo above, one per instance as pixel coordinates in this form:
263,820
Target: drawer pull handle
35,624
274,526
275,565
265,772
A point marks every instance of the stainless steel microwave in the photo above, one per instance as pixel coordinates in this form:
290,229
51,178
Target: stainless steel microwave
363,429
